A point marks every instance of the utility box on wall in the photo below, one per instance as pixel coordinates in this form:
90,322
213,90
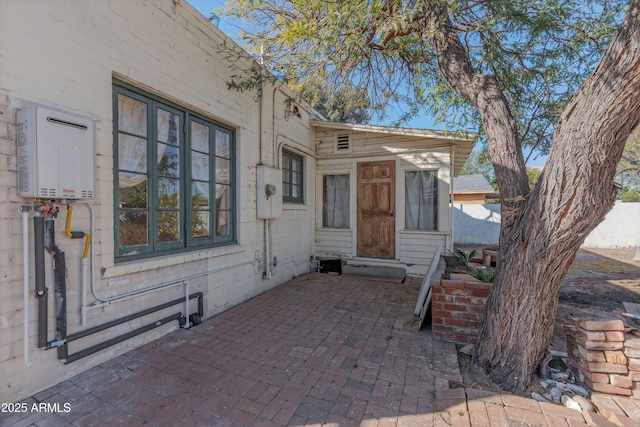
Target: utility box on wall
269,192
55,154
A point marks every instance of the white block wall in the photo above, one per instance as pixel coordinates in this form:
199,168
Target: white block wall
64,55
480,224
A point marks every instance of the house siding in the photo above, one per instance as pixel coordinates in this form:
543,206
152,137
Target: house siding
65,55
414,249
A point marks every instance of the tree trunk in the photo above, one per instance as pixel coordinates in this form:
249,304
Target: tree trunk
539,238
542,231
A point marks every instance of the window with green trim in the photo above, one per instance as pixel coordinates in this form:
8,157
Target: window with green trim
173,177
292,177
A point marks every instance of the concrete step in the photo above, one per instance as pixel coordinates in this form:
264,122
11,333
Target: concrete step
382,273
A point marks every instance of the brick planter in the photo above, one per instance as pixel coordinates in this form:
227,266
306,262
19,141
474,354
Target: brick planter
456,307
604,358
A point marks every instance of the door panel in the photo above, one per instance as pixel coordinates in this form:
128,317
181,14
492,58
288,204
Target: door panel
376,209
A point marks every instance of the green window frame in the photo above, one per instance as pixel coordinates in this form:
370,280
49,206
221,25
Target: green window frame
292,177
174,177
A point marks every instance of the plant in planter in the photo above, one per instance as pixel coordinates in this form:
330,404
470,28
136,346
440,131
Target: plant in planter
484,274
462,256
459,261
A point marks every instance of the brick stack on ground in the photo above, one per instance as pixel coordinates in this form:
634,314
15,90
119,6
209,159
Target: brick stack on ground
604,358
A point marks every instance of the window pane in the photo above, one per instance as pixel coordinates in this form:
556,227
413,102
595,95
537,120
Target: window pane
168,229
132,153
132,116
168,125
168,193
133,190
199,137
295,191
335,201
222,171
168,160
200,224
292,177
200,194
222,144
133,227
421,200
199,166
223,197
224,223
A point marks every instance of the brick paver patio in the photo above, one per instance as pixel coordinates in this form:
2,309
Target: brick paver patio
318,350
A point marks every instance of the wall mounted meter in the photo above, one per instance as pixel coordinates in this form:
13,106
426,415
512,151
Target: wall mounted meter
269,197
55,154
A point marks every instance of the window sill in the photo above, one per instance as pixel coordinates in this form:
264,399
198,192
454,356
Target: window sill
434,232
139,266
294,206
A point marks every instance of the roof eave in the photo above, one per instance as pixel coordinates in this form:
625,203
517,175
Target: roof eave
462,141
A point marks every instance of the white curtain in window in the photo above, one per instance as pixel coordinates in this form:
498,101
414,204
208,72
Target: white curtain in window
132,151
335,206
421,200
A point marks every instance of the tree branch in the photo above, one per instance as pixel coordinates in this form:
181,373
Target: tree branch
484,92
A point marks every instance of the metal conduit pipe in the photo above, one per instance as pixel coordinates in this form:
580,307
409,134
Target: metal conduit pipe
91,350
41,289
60,281
68,358
164,285
112,323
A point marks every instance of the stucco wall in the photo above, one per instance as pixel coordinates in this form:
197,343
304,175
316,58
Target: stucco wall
64,55
481,224
474,223
620,228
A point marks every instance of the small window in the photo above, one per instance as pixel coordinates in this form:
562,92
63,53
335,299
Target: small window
335,201
292,177
421,200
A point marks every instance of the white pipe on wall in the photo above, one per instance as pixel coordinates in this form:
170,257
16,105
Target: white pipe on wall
83,308
451,195
25,280
187,323
267,249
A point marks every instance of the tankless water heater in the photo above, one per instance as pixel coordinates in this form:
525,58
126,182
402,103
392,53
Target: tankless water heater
55,154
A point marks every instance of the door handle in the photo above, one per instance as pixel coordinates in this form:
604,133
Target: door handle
392,211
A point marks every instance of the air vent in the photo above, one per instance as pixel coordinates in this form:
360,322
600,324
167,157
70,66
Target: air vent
342,143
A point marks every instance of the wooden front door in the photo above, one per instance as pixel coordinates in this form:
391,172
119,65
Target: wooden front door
376,209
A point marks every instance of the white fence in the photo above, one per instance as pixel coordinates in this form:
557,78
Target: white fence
480,224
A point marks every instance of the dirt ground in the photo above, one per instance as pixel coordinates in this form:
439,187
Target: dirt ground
597,284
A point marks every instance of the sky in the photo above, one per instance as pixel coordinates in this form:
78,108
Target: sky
229,27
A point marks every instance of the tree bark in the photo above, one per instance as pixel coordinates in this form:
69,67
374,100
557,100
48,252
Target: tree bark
541,231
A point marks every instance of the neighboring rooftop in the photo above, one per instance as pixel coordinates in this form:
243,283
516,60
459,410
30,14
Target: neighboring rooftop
476,183
472,189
